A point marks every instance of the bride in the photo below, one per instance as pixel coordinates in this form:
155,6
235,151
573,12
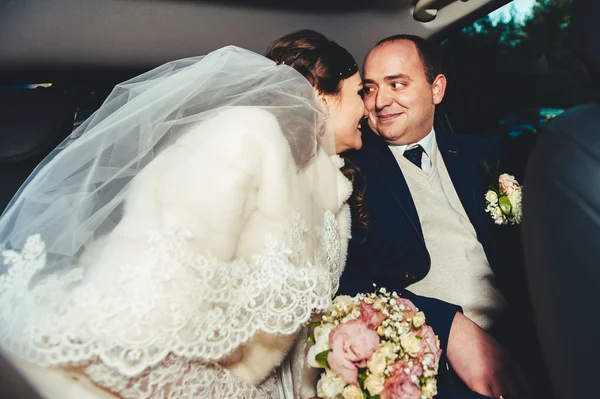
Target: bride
177,243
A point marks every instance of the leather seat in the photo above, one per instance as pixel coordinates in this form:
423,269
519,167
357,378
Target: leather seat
561,208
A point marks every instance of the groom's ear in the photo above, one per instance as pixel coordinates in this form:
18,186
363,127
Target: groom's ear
438,88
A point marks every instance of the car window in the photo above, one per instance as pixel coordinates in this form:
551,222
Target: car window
511,72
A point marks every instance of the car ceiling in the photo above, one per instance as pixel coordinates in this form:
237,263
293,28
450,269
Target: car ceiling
100,34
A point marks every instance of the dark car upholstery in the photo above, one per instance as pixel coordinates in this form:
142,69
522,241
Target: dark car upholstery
32,123
561,210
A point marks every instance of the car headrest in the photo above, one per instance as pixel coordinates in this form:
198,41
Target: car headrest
585,31
32,122
561,226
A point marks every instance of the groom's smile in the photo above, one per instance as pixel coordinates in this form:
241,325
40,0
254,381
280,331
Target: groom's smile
389,117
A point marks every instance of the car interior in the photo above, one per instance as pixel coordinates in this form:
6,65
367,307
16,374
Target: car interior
562,255
59,59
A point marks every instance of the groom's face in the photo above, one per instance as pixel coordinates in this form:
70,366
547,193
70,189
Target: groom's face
399,99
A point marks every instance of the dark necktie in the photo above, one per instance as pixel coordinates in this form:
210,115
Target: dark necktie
414,155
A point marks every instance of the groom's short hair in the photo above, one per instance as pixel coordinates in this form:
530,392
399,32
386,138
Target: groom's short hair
428,52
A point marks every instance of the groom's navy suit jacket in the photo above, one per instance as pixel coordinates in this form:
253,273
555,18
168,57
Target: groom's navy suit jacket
391,252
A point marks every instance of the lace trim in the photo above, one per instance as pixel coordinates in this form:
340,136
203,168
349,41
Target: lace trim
176,378
172,305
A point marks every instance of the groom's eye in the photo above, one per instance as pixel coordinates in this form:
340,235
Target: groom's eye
398,85
367,90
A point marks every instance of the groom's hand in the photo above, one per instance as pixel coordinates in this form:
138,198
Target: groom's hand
483,365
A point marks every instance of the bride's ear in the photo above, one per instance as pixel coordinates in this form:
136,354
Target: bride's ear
326,99
323,99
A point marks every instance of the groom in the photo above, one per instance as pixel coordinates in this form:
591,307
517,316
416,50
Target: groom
427,229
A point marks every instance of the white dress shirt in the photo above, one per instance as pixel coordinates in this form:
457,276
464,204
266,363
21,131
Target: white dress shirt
426,143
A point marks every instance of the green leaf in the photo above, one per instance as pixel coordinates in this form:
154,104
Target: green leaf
505,205
377,397
321,358
486,168
310,338
314,324
362,376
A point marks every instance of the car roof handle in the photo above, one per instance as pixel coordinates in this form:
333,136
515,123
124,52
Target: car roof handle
426,10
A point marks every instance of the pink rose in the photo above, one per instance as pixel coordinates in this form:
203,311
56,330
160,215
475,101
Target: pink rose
399,386
370,315
352,344
508,183
430,343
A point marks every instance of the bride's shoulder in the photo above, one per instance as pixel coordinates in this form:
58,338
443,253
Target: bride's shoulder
240,121
239,127
250,114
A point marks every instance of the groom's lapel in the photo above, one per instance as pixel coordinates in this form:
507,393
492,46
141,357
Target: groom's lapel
391,174
464,175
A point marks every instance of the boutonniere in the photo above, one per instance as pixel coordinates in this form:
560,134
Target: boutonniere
503,198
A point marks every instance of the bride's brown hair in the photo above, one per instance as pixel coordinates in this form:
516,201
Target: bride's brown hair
325,64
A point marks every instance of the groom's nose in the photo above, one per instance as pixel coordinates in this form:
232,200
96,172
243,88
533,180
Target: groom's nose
383,99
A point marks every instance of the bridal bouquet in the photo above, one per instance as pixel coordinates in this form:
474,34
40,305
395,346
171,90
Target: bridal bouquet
374,346
503,203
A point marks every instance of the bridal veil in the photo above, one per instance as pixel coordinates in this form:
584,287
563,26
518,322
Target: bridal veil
168,308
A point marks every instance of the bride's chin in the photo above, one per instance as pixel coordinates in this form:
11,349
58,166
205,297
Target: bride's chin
358,143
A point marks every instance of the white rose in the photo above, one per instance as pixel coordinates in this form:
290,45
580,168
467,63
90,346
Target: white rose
387,350
498,216
419,320
377,363
498,212
374,384
330,385
321,344
352,392
411,344
491,197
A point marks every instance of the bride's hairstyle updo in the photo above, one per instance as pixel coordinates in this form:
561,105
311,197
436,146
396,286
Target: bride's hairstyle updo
325,64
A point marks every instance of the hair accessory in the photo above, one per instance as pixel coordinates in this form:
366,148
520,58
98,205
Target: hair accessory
353,68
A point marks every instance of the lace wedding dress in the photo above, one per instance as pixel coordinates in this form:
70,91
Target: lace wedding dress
176,244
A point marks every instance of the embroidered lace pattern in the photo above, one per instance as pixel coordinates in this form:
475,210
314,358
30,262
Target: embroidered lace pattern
176,378
156,328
